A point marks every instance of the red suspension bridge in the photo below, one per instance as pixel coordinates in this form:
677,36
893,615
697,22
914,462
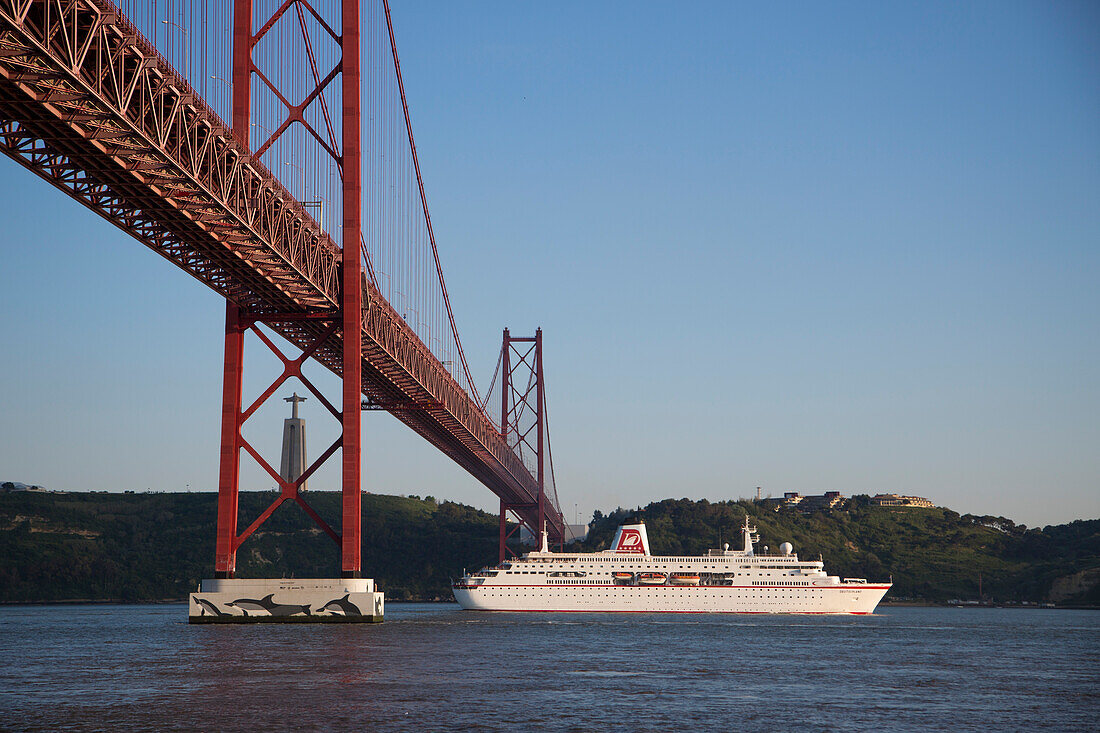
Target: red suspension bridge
307,213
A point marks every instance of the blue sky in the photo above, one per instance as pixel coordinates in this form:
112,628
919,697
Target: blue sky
804,247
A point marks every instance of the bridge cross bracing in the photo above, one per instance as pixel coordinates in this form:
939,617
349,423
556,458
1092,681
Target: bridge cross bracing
89,104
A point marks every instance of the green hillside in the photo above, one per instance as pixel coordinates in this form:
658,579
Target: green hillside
157,546
153,546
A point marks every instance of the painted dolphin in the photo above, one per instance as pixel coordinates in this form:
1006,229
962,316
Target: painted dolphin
207,606
342,605
267,604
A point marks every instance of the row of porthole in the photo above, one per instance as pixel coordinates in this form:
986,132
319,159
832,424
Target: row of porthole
683,605
667,591
663,596
579,600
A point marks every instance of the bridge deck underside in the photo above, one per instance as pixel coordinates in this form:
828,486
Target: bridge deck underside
87,104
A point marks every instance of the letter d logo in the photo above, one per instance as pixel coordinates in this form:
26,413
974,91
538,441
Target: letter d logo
630,541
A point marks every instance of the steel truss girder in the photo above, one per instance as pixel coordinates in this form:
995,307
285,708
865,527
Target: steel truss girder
90,106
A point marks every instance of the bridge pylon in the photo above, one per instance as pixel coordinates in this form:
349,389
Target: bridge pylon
524,427
359,594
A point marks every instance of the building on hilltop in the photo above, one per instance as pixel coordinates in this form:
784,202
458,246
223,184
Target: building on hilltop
828,500
790,498
807,504
899,500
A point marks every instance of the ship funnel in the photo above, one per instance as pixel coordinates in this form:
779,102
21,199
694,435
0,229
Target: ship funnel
631,538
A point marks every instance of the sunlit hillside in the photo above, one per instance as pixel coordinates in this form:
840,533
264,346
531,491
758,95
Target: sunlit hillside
157,546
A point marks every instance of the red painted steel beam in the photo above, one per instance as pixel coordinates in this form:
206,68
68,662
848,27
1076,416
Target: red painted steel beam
225,560
242,71
352,295
505,387
540,420
503,527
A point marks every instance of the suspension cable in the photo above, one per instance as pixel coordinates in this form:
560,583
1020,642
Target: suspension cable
424,204
370,266
493,381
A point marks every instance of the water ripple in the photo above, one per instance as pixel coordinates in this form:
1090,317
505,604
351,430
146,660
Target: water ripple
434,667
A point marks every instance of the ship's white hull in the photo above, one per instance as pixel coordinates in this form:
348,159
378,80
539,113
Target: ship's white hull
628,578
837,599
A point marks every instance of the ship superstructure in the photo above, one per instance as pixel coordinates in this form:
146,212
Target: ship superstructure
628,577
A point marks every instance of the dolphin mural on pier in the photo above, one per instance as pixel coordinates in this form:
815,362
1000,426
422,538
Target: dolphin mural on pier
211,608
268,604
342,605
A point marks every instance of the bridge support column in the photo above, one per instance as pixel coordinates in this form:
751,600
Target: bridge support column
225,561
503,528
540,450
351,598
352,295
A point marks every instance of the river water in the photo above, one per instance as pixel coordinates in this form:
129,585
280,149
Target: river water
435,667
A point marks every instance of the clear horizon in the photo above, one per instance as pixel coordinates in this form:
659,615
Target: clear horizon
800,247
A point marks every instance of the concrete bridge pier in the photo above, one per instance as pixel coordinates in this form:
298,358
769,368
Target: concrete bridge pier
248,600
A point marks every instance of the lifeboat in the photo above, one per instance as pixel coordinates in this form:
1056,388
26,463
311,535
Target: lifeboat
622,576
652,578
684,579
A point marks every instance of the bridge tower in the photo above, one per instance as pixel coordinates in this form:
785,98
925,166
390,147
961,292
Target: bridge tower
346,322
523,412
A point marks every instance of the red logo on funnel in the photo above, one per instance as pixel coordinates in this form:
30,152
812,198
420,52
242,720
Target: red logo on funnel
630,541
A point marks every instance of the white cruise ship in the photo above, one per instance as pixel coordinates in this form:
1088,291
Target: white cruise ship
629,578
